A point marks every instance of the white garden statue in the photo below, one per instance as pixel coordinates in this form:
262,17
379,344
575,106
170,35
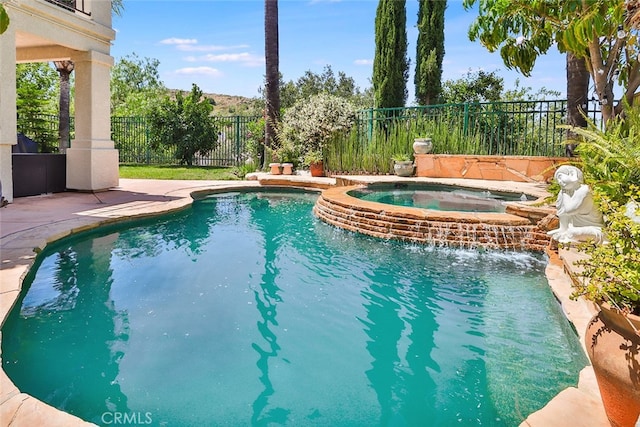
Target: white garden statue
579,217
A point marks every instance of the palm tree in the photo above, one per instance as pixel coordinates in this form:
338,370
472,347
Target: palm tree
272,84
577,96
65,68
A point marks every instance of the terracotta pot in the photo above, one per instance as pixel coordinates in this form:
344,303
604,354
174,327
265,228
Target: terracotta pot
316,169
614,349
275,168
287,169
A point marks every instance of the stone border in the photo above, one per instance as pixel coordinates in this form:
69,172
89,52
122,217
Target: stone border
507,230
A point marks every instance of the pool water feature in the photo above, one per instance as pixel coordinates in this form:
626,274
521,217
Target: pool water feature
247,310
437,196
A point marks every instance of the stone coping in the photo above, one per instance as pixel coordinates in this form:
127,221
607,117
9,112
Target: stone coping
29,224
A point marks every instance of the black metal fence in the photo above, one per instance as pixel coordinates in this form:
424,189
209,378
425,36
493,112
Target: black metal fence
131,137
500,128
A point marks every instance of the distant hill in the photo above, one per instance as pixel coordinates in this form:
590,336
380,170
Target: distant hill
232,104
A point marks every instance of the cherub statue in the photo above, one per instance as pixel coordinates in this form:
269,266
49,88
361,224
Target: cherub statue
579,217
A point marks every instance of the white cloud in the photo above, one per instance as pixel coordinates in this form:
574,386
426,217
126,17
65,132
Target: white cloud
363,62
199,71
241,57
176,41
208,48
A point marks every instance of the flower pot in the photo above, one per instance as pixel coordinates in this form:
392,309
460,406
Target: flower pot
287,169
403,167
422,145
316,169
275,168
614,349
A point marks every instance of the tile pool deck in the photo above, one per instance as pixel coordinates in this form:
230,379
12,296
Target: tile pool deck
29,223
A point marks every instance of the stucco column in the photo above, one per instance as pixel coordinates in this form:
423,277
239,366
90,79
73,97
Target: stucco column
92,161
8,124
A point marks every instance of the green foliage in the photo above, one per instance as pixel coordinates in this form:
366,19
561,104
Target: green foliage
310,124
610,161
390,63
429,51
37,97
186,124
475,86
612,270
254,140
4,19
313,157
135,86
523,30
313,84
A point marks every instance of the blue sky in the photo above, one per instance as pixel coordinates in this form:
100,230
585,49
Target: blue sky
219,44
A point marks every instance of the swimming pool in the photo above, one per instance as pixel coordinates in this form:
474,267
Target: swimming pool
248,310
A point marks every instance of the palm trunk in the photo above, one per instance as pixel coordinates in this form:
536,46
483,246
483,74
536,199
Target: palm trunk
272,85
65,68
577,97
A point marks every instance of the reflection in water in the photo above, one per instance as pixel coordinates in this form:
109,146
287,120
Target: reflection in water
267,299
402,383
94,334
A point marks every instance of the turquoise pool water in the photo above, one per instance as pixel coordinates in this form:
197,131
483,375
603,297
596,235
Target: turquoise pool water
437,197
246,310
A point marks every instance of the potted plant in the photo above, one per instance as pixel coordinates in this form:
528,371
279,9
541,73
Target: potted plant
610,275
314,159
402,164
422,145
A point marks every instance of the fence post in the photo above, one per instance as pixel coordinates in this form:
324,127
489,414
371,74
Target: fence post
465,124
237,132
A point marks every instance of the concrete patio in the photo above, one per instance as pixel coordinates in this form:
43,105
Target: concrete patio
28,224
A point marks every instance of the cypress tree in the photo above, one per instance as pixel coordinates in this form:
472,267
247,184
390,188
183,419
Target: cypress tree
429,51
390,63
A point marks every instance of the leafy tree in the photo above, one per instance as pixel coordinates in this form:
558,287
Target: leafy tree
135,86
4,19
429,51
186,124
312,84
36,94
475,86
272,84
600,32
390,63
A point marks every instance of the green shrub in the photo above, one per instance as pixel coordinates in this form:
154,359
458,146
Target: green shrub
610,161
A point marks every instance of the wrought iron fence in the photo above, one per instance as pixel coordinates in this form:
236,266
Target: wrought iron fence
500,128
131,136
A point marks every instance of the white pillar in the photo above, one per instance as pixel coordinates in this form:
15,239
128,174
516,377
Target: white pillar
8,123
92,160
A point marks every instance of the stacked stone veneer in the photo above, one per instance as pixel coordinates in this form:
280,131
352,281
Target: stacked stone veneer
498,168
518,230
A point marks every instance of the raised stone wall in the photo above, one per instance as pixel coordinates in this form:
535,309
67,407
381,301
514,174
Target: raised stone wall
460,229
495,168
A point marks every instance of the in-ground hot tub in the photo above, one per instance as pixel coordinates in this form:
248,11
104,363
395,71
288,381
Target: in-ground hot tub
514,226
440,197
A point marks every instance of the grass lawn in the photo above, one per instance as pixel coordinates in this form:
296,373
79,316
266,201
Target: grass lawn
177,172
